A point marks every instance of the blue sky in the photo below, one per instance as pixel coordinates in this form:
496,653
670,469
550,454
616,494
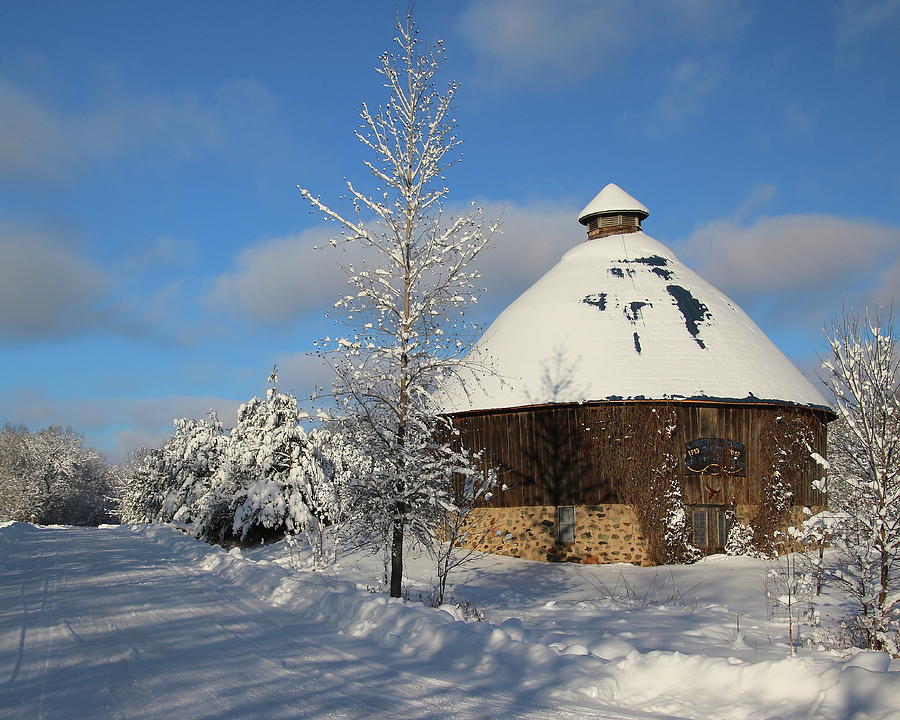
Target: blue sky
156,258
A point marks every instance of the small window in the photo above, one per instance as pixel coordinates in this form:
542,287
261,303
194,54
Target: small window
565,524
701,538
724,527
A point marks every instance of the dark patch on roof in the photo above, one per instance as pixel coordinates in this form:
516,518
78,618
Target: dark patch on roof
692,310
662,272
598,300
657,260
637,343
618,272
633,311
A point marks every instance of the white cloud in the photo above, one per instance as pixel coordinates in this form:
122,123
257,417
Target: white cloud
39,140
523,42
50,287
856,19
303,373
32,139
114,425
528,40
798,269
279,281
46,287
688,89
533,239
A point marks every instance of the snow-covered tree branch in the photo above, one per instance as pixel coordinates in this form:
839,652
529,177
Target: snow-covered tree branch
862,524
405,309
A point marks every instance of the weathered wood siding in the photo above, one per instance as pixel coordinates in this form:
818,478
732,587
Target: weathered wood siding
580,454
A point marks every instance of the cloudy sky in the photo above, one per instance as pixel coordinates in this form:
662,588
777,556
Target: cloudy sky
156,259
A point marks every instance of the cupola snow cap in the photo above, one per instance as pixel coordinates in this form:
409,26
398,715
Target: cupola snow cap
612,200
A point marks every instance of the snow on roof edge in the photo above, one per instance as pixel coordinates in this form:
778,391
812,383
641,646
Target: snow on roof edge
749,400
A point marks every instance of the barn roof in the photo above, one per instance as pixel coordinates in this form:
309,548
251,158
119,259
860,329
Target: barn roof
620,317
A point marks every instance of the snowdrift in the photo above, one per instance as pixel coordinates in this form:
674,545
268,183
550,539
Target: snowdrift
600,671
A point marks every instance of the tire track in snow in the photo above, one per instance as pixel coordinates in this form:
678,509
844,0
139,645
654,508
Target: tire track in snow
131,629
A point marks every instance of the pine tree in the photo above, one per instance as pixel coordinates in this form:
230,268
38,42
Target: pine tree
270,464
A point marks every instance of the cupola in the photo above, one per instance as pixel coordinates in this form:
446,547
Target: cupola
612,212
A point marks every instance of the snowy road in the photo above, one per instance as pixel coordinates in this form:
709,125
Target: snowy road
97,624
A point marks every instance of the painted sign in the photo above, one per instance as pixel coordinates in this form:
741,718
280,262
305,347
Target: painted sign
714,456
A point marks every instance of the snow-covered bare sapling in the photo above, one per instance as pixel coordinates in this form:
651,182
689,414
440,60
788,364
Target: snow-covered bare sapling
338,469
788,588
456,542
405,306
862,523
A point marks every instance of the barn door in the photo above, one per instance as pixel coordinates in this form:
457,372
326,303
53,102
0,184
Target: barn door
711,523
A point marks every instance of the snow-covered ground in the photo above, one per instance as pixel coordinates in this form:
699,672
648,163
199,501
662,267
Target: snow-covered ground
141,622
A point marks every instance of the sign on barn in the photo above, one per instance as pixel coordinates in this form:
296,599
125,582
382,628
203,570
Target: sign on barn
714,456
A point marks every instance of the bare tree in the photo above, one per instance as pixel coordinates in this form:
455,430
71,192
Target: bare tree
458,539
862,524
405,307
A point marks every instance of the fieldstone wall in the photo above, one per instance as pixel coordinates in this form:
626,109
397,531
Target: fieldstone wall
603,534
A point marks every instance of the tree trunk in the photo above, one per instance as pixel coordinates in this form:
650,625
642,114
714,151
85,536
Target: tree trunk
397,560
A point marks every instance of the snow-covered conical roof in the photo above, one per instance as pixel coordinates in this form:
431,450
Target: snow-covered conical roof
612,199
621,317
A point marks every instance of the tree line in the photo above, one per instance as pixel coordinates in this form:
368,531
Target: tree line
50,477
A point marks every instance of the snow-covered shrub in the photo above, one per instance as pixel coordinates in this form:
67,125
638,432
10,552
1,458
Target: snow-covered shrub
340,470
679,546
741,541
265,474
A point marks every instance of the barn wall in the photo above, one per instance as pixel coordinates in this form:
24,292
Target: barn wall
583,454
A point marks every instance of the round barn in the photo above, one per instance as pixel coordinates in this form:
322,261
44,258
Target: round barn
624,398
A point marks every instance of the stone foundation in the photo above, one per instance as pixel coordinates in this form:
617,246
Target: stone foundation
603,534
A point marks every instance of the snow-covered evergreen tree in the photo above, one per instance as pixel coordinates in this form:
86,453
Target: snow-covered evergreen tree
862,523
270,466
405,305
741,541
190,461
141,487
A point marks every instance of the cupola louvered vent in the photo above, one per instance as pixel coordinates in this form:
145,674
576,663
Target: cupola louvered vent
612,212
